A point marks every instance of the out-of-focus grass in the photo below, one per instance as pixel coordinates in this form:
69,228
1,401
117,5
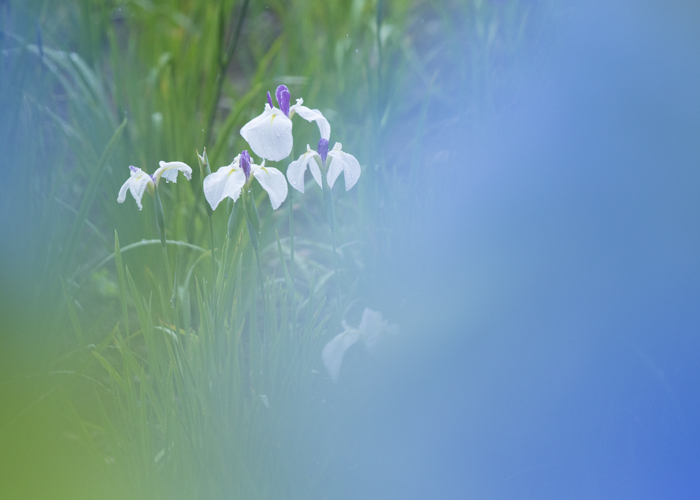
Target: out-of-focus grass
99,373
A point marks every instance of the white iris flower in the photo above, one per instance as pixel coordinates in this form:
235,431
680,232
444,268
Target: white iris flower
340,162
139,180
229,181
270,134
370,330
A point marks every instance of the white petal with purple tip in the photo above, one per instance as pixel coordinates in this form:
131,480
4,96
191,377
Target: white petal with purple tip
137,183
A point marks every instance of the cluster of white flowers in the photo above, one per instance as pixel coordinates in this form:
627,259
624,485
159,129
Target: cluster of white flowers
270,137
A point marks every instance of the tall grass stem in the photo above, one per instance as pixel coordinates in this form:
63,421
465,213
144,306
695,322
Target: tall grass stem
213,268
223,68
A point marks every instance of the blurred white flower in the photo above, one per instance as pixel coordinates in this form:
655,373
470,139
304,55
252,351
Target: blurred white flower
139,180
270,134
369,331
229,181
339,162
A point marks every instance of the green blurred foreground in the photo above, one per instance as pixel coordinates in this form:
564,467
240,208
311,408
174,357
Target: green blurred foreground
113,385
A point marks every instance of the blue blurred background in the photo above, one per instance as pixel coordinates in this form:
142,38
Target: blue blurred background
556,350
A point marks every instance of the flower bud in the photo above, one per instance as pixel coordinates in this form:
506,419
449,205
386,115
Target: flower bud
203,161
245,163
323,149
283,96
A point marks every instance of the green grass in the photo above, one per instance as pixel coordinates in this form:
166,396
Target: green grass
154,386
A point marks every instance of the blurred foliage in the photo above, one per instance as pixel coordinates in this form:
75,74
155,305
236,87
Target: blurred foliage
100,373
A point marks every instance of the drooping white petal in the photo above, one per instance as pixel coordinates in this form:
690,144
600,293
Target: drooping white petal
137,183
344,162
138,187
296,169
336,166
123,190
312,115
169,170
334,351
272,181
316,172
372,327
270,134
227,181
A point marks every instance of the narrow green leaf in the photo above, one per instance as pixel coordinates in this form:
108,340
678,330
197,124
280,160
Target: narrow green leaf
287,277
140,309
122,286
252,231
112,372
89,196
73,317
80,423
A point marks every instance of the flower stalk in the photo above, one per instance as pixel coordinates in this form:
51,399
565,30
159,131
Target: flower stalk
292,292
330,213
205,170
253,222
160,224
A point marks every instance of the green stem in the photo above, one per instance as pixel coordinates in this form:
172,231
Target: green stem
253,223
291,234
330,216
262,291
213,265
160,225
292,292
260,274
337,281
167,268
174,298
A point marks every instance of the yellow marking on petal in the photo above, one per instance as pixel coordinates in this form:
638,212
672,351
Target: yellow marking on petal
272,118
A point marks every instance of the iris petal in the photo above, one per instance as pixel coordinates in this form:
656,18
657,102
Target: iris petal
272,181
297,169
225,182
269,134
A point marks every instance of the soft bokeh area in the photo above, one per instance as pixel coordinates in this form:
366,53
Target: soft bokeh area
525,234
556,352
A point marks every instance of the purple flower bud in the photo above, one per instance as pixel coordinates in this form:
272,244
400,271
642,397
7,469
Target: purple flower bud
269,99
245,163
323,149
283,96
133,168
